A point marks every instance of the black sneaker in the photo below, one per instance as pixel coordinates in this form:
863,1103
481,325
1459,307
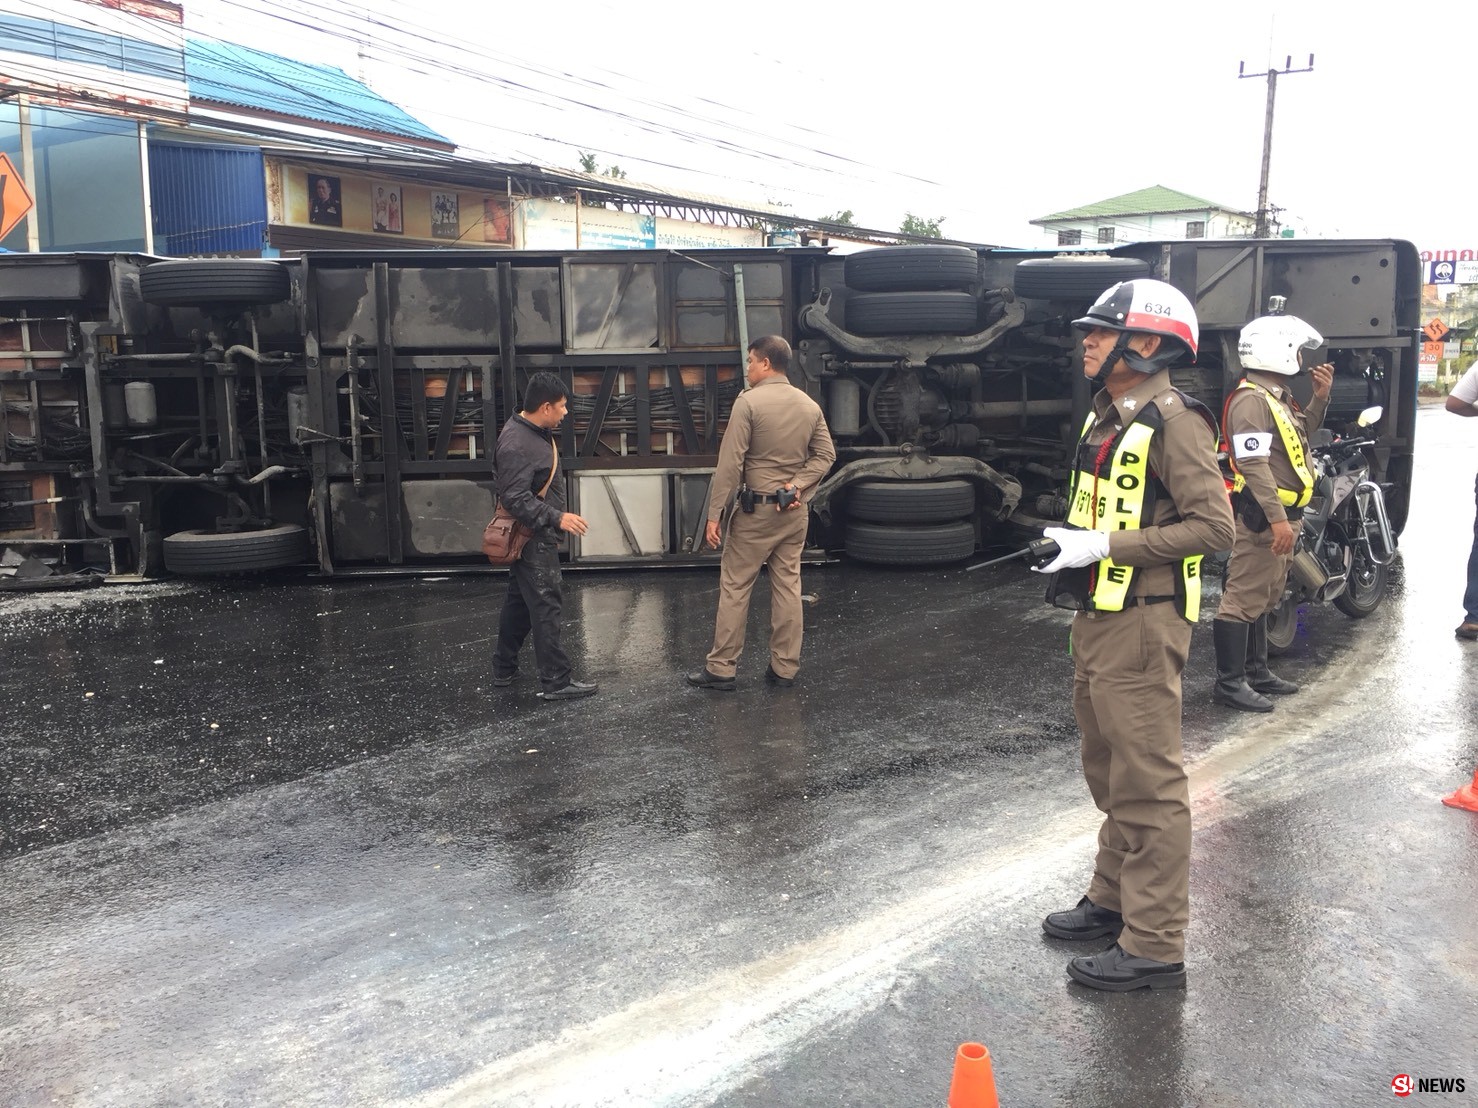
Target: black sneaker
703,679
1086,921
573,691
773,678
503,680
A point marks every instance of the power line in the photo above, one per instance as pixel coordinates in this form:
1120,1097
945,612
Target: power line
322,92
331,23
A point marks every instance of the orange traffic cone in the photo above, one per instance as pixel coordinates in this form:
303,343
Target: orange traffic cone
973,1086
1465,797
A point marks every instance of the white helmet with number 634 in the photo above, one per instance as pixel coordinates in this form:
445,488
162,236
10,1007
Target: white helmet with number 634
1149,307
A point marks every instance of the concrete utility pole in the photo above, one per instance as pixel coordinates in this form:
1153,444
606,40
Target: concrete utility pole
1264,214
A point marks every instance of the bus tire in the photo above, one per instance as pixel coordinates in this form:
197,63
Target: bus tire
912,313
225,281
1073,278
911,501
911,268
910,545
204,553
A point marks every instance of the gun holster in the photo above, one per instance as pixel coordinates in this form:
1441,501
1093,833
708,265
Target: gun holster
1249,511
1068,588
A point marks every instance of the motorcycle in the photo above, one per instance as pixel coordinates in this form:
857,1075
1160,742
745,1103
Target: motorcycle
1346,543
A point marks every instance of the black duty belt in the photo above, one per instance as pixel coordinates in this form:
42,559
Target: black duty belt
1145,601
766,498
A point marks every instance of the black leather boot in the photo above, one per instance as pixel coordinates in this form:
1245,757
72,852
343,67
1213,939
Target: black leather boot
1259,676
1231,688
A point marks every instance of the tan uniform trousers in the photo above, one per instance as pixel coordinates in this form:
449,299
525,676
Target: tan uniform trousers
1255,576
762,537
1126,694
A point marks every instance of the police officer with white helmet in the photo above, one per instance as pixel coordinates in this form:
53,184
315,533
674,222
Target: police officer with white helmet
1268,449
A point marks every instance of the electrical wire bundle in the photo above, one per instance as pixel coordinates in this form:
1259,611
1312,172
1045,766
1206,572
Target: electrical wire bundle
62,438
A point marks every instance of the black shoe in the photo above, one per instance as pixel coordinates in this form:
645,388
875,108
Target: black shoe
503,680
1231,688
773,678
1086,921
703,679
1118,971
573,691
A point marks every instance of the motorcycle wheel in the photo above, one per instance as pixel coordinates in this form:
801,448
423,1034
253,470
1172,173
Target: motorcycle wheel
1282,627
1365,589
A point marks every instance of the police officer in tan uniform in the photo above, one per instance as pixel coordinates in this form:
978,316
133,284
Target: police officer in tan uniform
777,447
1147,502
1268,448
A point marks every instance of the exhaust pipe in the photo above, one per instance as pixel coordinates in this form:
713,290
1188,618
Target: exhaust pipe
1309,571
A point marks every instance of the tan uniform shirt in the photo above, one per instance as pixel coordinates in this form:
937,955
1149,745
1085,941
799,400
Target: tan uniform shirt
1195,515
1249,413
776,436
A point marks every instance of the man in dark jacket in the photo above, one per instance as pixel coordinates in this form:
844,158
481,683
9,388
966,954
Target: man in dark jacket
527,459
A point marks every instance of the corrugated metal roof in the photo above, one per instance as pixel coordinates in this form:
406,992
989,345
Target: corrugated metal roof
701,199
1155,200
239,77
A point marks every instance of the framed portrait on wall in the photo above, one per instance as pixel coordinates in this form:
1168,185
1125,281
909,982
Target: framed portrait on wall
497,221
446,217
385,208
325,202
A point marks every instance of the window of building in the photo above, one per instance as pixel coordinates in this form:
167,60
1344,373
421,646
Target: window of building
1105,234
1195,229
1069,238
89,179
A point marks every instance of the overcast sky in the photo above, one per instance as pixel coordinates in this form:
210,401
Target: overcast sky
989,115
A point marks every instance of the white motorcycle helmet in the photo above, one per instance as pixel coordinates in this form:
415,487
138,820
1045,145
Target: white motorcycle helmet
1272,343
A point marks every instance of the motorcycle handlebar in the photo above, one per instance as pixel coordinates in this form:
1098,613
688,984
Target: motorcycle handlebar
1342,444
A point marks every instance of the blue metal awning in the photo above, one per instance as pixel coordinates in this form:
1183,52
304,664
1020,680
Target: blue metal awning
239,77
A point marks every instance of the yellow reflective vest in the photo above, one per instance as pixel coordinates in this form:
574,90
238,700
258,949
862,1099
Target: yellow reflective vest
1113,490
1290,498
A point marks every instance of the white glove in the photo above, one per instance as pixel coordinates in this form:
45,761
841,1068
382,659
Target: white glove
1078,548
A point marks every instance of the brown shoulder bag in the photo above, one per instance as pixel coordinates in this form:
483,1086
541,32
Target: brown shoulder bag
504,538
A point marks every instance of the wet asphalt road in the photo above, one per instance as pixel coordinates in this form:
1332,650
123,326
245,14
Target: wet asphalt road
281,844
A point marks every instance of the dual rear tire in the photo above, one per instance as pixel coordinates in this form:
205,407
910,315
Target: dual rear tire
911,523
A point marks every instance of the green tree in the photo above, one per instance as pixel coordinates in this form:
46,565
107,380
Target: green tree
843,217
588,164
924,228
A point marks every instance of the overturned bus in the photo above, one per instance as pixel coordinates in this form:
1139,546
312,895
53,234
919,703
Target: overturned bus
336,412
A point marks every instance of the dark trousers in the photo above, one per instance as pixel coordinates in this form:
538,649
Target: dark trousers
1470,598
533,603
